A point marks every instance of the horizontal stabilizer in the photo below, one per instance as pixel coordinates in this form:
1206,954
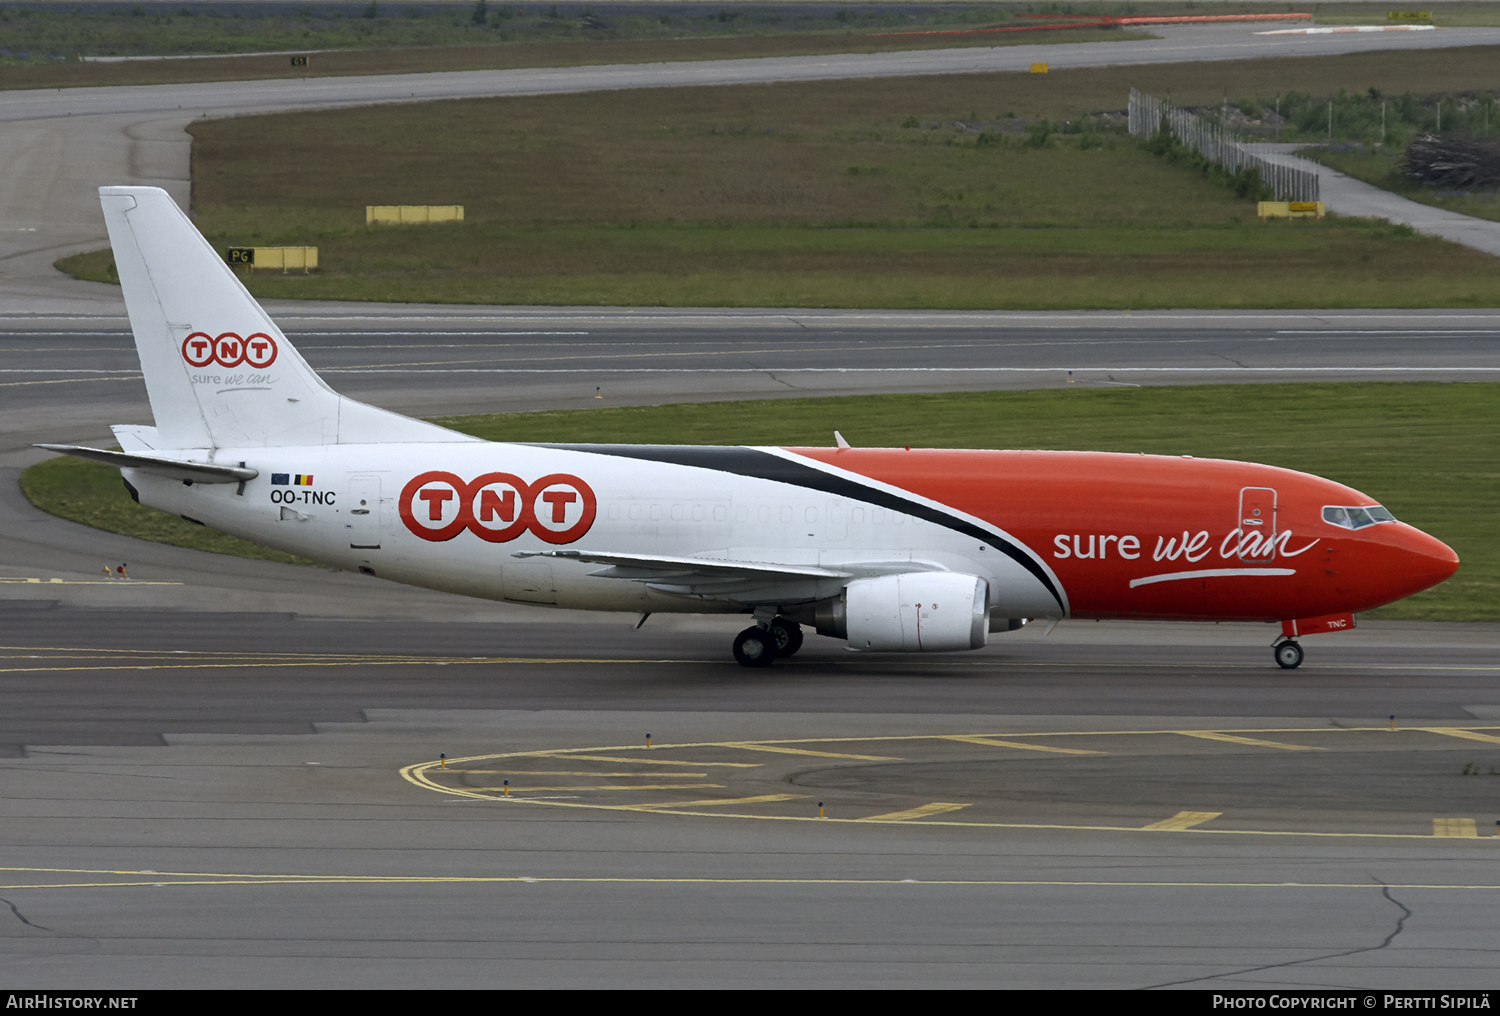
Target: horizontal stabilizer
174,469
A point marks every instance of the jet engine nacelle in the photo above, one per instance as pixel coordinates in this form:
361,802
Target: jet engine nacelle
917,612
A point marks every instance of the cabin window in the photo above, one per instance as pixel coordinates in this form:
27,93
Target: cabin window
656,512
677,513
811,515
720,513
635,511
614,511
697,513
1356,517
856,515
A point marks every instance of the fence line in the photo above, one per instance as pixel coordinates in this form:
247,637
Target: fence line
1216,144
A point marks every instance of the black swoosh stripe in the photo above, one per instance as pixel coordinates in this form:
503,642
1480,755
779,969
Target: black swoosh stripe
763,465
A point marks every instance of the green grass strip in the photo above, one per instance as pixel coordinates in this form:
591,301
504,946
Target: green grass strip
94,494
1425,450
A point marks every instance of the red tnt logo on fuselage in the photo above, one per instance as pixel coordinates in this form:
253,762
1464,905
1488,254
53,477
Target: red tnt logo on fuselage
229,350
497,507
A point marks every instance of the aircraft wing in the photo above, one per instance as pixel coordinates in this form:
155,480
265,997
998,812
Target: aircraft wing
744,581
174,469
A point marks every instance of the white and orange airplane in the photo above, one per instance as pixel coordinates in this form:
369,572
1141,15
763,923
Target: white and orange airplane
891,550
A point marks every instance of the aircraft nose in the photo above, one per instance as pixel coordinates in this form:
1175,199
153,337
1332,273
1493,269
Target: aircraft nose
1426,560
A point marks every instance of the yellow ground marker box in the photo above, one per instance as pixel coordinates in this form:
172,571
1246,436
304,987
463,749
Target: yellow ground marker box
1039,68
1289,209
285,258
404,215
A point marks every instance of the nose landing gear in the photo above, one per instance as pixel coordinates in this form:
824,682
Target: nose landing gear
1288,654
759,647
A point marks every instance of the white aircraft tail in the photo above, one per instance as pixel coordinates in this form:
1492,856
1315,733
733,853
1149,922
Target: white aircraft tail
218,371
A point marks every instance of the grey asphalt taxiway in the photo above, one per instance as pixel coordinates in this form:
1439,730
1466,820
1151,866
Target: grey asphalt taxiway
231,773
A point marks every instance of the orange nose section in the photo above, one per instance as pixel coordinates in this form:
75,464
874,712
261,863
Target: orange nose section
1425,560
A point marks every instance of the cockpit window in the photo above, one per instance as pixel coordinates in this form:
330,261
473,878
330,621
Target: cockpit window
1356,518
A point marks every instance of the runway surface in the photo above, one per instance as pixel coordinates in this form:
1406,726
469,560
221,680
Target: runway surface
233,773
480,360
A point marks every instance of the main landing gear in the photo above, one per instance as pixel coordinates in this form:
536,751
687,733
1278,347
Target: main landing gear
759,647
1288,654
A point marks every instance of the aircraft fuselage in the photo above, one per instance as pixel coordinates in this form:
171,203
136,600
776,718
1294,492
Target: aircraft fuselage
1053,534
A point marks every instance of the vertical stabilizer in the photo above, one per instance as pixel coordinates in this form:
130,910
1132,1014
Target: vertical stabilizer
218,371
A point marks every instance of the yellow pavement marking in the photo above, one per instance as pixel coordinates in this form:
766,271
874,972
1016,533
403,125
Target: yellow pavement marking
1214,735
1183,820
559,772
935,808
761,744
111,651
130,879
780,750
1466,734
995,743
123,583
667,809
623,786
983,662
639,761
422,775
180,658
760,799
361,661
1456,827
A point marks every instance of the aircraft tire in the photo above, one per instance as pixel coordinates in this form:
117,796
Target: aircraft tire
1288,655
755,647
788,636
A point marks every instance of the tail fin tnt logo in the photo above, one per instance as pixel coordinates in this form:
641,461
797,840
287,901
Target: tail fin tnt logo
229,350
498,507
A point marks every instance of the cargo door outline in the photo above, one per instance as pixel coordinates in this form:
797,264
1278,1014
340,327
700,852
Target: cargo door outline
528,580
363,525
1257,518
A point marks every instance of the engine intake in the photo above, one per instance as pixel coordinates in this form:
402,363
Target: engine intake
917,612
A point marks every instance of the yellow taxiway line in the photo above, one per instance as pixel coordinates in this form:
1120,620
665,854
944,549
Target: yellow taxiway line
1444,829
168,879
